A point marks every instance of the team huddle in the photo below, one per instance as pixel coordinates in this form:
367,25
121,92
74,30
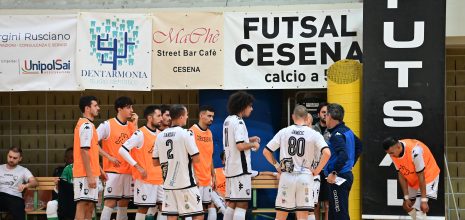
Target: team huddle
168,169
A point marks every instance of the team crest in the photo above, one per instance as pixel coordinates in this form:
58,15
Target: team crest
247,191
86,191
109,189
144,197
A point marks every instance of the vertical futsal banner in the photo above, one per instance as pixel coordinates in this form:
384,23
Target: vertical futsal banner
403,96
188,50
114,51
288,50
37,53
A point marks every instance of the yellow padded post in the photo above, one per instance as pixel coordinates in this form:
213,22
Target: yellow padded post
344,88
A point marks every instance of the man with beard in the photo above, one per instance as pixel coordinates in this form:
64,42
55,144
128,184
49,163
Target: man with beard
165,117
137,151
113,133
86,168
322,195
204,171
14,179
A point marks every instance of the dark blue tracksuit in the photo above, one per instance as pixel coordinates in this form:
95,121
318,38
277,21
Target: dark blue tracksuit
345,149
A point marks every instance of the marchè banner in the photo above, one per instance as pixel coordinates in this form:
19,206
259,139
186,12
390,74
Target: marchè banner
114,51
187,50
37,53
288,50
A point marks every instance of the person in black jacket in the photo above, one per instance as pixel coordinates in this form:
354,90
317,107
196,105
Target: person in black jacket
345,148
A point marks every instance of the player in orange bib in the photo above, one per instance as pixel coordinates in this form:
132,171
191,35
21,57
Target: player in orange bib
418,173
86,168
113,133
204,171
137,151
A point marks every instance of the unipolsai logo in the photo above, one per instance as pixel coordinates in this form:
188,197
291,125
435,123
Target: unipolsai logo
114,41
41,67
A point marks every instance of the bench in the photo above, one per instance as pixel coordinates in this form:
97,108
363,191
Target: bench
259,182
262,182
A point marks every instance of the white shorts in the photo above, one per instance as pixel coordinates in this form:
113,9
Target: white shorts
146,194
182,202
118,186
206,194
316,188
82,192
239,188
295,192
431,192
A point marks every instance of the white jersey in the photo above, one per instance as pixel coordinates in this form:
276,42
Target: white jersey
234,132
11,179
175,148
299,147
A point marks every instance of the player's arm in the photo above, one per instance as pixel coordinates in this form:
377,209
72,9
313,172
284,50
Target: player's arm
156,154
418,161
242,141
407,204
103,131
325,153
85,136
213,176
242,146
134,141
270,158
271,147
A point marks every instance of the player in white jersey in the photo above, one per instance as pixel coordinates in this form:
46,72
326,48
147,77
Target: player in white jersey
138,151
237,146
298,144
175,151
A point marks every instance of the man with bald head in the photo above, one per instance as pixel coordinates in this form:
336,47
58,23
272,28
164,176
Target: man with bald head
299,145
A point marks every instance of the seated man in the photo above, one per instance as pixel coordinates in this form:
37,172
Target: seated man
14,179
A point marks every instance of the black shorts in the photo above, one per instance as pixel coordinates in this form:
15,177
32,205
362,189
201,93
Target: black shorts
12,204
323,188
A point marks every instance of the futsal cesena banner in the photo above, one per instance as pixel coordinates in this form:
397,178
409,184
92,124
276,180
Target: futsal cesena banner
288,50
37,53
403,96
114,51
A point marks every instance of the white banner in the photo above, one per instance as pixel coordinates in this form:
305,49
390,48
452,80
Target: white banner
37,53
288,50
114,51
188,50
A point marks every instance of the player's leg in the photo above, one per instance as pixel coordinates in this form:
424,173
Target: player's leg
241,194
303,195
160,197
112,193
285,199
314,214
127,193
191,203
231,206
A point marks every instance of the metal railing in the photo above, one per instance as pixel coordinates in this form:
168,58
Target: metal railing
451,191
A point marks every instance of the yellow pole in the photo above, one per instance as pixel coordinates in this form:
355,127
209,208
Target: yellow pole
344,88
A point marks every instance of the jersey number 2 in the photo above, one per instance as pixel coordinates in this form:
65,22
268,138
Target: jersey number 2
169,143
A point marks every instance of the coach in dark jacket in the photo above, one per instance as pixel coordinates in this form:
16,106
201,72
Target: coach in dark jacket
345,149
